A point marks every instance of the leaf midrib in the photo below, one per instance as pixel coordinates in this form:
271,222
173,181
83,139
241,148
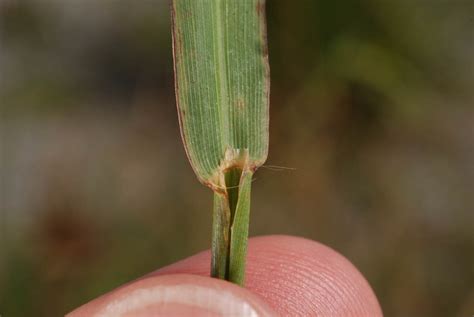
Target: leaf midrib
221,73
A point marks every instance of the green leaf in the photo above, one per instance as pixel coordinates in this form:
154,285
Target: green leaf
222,92
222,85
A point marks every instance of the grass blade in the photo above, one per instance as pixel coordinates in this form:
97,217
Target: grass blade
222,84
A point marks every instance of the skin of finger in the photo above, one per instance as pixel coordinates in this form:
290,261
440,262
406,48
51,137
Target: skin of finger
297,277
176,295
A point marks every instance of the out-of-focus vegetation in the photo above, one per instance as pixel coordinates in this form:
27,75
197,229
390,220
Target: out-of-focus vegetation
96,189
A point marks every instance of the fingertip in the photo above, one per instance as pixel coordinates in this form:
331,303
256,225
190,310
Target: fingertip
297,277
305,277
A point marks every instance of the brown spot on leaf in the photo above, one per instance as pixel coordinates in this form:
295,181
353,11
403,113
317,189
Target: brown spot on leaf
240,104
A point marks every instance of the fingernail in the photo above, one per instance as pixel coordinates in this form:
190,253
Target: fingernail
186,299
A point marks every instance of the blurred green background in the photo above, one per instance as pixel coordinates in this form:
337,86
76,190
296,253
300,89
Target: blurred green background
371,104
